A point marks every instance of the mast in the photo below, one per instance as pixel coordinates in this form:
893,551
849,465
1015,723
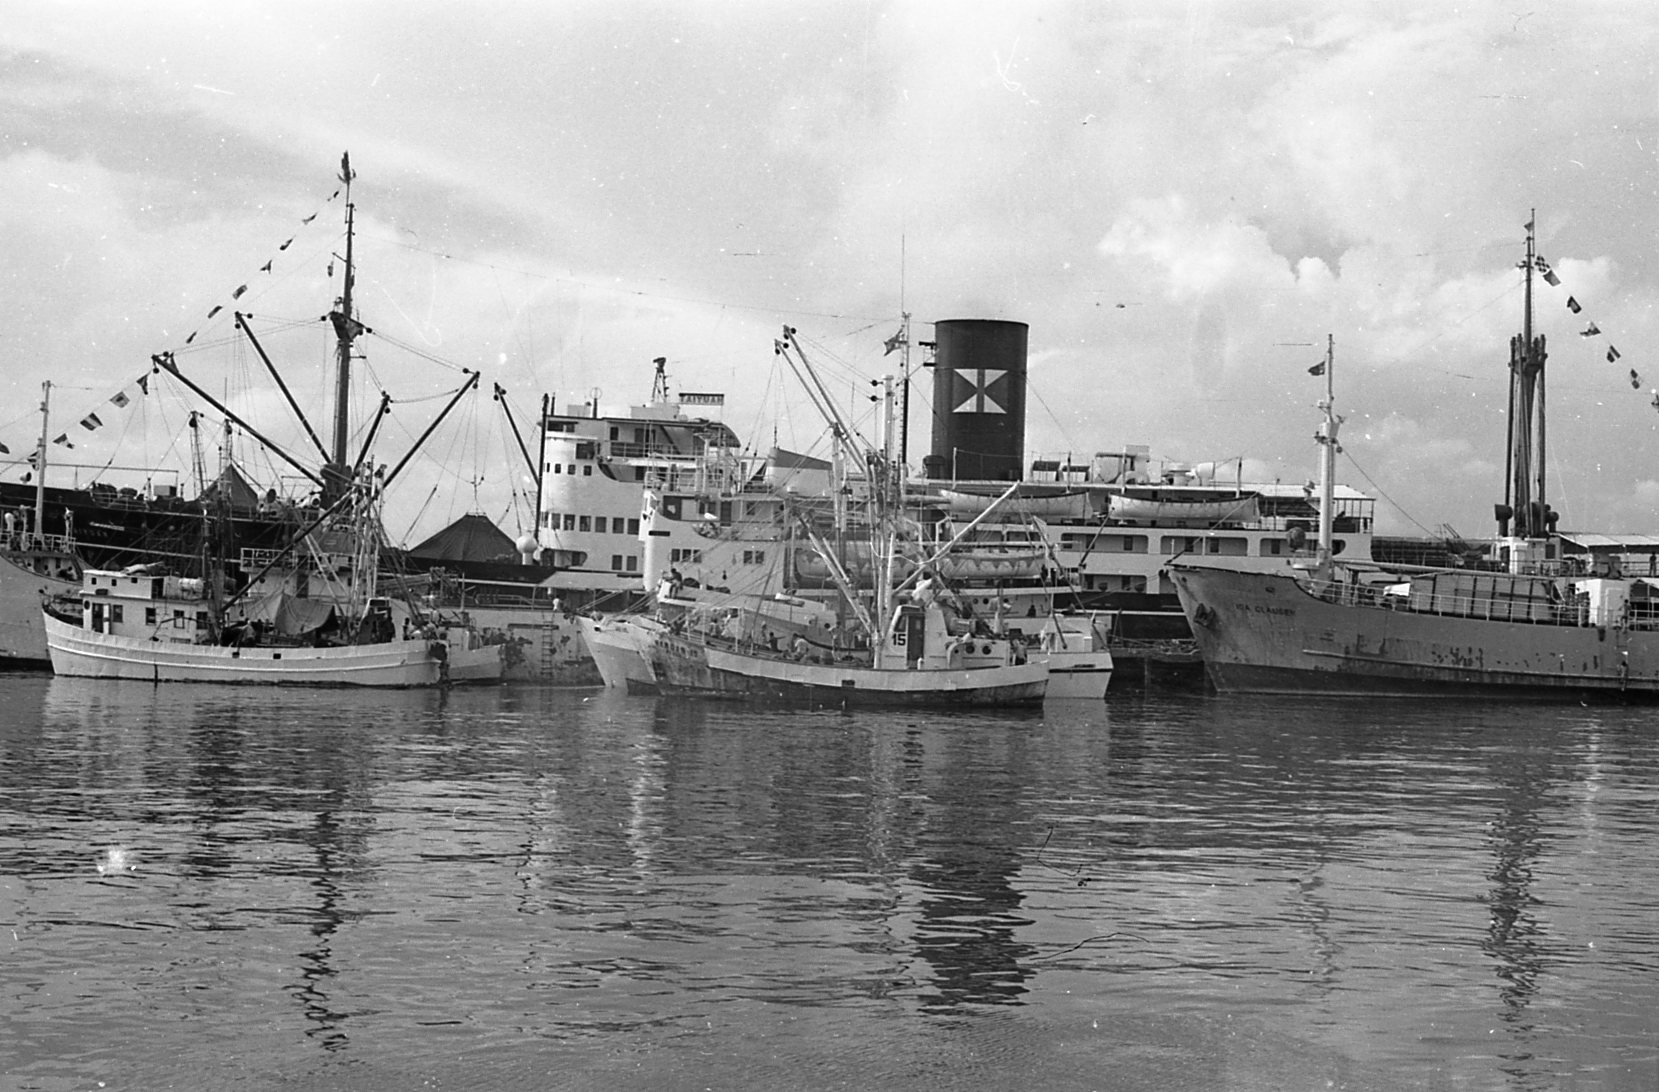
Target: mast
336,475
541,463
904,370
40,464
659,384
1328,447
1525,510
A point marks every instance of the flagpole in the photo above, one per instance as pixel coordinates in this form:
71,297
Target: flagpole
40,471
1327,460
904,429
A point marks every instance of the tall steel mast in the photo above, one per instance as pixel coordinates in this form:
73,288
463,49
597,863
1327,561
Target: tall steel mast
346,328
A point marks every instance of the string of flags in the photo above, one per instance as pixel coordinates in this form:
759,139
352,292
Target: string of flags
121,399
270,262
91,422
1592,330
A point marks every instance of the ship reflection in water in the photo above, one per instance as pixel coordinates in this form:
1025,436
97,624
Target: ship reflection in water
482,889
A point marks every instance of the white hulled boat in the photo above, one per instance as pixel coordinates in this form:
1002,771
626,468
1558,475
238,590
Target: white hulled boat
904,641
311,613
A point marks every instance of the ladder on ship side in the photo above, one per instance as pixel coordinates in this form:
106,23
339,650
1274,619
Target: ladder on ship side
549,648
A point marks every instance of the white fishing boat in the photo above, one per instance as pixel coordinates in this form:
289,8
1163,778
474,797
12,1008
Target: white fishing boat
156,628
1528,621
78,650
311,613
1076,647
907,642
620,645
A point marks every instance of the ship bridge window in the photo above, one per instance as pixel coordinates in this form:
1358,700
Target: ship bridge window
633,526
569,521
584,523
618,524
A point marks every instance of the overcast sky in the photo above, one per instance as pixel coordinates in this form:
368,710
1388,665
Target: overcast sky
1182,200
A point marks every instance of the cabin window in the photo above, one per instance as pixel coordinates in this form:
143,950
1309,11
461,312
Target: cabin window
754,557
115,612
557,469
1273,547
571,469
584,523
615,432
201,619
569,521
619,525
149,616
178,619
587,470
632,563
616,563
633,527
639,473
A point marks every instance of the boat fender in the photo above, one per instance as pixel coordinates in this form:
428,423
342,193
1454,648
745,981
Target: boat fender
1204,615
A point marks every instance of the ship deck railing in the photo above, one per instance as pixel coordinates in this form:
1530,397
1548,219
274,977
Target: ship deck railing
1570,610
19,541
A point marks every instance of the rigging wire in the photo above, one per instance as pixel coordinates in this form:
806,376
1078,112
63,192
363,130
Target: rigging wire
1384,495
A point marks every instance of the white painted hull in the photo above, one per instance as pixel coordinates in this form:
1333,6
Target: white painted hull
481,664
620,650
1083,675
22,636
81,653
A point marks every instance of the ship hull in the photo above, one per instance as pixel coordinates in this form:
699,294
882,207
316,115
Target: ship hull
1083,675
697,669
1265,633
79,653
22,633
616,647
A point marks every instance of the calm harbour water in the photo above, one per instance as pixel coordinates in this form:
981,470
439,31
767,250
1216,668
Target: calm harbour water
525,889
